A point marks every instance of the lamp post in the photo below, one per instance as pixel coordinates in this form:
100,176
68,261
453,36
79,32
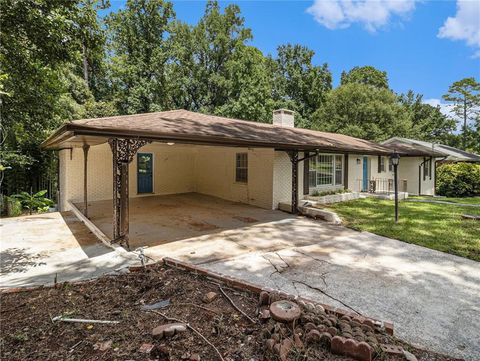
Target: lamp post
395,159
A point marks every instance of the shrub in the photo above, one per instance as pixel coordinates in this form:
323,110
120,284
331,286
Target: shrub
458,180
34,202
13,207
317,193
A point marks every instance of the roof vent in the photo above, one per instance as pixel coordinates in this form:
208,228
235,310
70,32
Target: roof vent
284,118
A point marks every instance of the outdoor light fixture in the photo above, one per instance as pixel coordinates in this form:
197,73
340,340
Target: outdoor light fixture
358,160
395,159
170,143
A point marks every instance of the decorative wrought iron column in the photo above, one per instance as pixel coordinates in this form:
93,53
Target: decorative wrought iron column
294,159
123,151
85,148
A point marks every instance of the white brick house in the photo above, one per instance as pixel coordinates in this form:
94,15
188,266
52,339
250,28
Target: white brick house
180,152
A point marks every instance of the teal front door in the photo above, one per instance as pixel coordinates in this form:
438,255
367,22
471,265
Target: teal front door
365,175
144,172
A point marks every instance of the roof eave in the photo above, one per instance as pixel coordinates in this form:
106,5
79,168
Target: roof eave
70,129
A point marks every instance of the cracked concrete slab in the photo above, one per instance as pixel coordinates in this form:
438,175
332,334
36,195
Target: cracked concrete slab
35,250
432,297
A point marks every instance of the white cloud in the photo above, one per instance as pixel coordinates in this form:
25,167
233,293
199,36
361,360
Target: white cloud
372,14
444,107
447,109
465,25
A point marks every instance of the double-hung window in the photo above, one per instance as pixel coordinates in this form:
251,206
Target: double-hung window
325,170
241,168
381,164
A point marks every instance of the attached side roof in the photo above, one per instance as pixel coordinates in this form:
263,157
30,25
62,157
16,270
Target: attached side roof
187,127
431,149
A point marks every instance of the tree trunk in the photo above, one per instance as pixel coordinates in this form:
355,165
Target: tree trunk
85,65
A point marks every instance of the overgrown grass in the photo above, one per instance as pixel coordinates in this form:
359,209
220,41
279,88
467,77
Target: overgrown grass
436,226
466,200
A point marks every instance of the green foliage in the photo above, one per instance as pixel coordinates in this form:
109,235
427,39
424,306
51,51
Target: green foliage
465,95
34,202
317,193
363,111
214,71
12,206
365,75
298,84
428,122
458,180
137,39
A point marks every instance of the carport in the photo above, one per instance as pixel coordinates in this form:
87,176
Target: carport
192,141
158,220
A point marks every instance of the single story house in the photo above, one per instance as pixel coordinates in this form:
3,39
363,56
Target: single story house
179,151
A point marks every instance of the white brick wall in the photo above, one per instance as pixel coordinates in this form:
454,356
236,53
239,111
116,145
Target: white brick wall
177,169
282,179
215,175
408,169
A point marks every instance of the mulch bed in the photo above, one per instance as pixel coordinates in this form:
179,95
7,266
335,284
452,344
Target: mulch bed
28,332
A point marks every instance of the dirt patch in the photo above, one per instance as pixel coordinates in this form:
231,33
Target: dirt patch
245,219
28,333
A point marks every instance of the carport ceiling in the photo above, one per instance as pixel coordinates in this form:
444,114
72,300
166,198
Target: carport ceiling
182,126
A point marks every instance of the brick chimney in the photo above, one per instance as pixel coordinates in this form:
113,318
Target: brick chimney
284,118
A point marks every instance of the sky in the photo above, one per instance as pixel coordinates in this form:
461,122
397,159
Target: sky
422,45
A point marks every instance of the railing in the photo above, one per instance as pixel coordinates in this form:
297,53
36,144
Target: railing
380,185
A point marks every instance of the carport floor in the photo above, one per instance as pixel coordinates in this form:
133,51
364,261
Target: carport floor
157,220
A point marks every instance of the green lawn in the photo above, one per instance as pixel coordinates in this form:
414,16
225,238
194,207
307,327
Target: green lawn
468,200
436,226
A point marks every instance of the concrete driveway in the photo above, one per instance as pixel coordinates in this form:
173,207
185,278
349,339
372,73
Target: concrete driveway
432,297
34,250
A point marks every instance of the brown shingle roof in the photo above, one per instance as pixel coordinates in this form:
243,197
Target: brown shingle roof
189,127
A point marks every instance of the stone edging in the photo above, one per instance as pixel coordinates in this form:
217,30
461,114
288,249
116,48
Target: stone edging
247,286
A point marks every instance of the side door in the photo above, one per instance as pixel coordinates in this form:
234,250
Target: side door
144,172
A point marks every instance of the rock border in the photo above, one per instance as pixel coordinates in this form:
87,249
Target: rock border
251,287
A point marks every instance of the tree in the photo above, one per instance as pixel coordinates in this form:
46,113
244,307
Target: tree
249,94
363,111
465,95
365,75
92,41
137,39
37,39
428,122
298,84
211,62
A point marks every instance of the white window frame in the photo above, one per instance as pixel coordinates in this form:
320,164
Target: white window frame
383,167
241,167
314,174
